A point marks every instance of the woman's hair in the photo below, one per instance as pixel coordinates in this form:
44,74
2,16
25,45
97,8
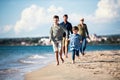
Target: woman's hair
75,28
82,19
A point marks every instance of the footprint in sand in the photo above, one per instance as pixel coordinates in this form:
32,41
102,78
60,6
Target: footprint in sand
98,72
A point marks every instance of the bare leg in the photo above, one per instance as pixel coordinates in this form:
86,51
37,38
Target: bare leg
61,56
66,48
57,56
63,48
63,45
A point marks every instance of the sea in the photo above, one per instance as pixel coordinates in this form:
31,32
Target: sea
16,61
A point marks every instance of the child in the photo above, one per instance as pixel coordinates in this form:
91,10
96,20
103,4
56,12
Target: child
75,39
56,34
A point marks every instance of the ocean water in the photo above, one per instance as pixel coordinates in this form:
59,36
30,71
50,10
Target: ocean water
15,61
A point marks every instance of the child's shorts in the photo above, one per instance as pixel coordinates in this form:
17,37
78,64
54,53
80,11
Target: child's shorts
57,46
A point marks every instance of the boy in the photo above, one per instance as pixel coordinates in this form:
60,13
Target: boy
56,34
75,39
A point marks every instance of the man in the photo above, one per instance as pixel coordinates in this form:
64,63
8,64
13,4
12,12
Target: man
68,27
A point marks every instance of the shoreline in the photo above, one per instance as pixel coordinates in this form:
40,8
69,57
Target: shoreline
95,65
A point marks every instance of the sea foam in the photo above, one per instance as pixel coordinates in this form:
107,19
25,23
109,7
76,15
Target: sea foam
27,62
36,57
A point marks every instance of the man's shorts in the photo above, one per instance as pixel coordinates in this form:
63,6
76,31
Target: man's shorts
65,42
57,46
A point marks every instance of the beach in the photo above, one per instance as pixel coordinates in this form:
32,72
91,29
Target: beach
95,65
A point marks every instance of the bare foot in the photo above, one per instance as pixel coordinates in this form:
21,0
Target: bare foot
57,63
78,57
73,62
66,56
83,53
62,61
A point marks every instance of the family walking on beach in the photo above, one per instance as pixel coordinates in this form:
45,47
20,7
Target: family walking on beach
63,34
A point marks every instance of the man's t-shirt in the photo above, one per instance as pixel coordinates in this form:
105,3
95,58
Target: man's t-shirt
68,28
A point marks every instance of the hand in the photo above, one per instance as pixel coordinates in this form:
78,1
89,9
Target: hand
81,41
88,37
67,39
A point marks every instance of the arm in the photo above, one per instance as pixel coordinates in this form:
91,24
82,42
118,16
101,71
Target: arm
51,35
66,31
80,38
86,30
71,28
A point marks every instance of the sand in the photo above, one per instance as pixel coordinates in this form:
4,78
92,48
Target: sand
97,65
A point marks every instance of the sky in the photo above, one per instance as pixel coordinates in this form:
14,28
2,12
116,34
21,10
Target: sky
33,18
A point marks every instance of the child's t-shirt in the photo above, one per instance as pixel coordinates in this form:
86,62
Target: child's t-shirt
75,41
56,33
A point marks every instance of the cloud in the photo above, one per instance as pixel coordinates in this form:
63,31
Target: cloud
75,18
34,17
54,9
31,18
6,29
107,10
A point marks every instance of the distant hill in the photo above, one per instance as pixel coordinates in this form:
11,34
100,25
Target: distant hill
21,41
35,41
104,39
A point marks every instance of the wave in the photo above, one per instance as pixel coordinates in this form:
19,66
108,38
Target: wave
8,71
27,62
36,57
33,59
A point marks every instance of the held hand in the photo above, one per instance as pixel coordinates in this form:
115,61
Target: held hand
88,37
67,39
81,41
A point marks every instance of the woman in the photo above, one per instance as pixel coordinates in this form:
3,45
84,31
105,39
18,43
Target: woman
83,31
